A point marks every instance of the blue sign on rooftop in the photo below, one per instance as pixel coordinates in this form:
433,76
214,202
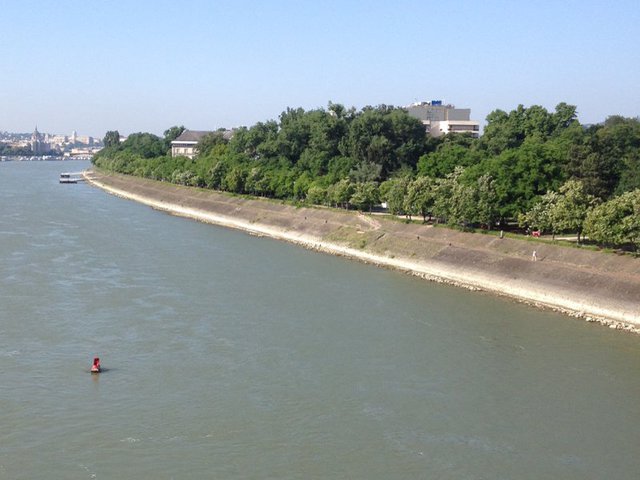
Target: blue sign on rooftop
436,102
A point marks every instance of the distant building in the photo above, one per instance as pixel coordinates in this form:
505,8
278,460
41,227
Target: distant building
440,119
38,143
58,139
83,140
185,145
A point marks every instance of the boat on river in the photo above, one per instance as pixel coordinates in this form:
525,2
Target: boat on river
71,177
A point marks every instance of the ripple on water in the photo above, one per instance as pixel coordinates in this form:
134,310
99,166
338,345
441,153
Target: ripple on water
11,353
130,440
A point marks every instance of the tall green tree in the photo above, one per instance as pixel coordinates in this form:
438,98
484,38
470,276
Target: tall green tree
145,145
443,204
506,131
111,139
564,117
521,175
212,143
462,209
630,175
485,201
385,136
606,157
170,135
449,155
365,171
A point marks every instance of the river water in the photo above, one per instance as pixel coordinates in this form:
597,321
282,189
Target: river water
230,356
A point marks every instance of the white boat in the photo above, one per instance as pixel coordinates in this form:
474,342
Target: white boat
72,177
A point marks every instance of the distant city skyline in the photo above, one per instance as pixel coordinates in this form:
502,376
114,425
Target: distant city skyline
47,143
43,131
146,66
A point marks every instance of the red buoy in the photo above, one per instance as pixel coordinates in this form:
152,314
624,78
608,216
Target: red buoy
95,368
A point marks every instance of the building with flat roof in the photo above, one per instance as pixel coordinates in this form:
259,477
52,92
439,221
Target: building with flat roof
440,119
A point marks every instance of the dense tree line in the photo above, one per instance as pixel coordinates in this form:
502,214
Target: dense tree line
542,168
17,151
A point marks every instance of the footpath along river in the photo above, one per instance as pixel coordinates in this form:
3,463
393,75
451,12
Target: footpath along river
232,356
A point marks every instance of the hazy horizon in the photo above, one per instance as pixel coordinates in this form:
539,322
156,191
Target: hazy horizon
94,67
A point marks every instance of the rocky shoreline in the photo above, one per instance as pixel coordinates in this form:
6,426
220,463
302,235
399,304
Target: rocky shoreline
591,285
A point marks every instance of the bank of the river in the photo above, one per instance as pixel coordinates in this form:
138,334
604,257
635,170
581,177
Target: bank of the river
596,286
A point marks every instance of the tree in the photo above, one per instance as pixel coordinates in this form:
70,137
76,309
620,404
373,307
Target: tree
616,222
522,159
340,193
184,177
521,175
503,131
442,199
506,131
234,180
111,139
486,201
597,170
313,161
301,186
630,175
421,196
540,215
145,145
316,195
365,171
572,206
257,142
448,155
365,195
339,168
385,136
606,158
217,175
170,135
458,202
393,192
253,182
564,117
212,143
462,208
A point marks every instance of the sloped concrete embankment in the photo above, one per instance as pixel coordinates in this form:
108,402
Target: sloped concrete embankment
597,286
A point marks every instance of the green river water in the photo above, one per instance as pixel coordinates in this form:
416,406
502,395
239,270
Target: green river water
229,356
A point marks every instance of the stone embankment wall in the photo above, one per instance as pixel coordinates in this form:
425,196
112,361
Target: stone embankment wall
597,286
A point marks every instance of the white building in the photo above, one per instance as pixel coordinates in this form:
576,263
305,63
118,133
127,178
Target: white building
185,145
441,119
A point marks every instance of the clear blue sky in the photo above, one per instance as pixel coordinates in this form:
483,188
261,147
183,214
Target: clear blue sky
98,65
